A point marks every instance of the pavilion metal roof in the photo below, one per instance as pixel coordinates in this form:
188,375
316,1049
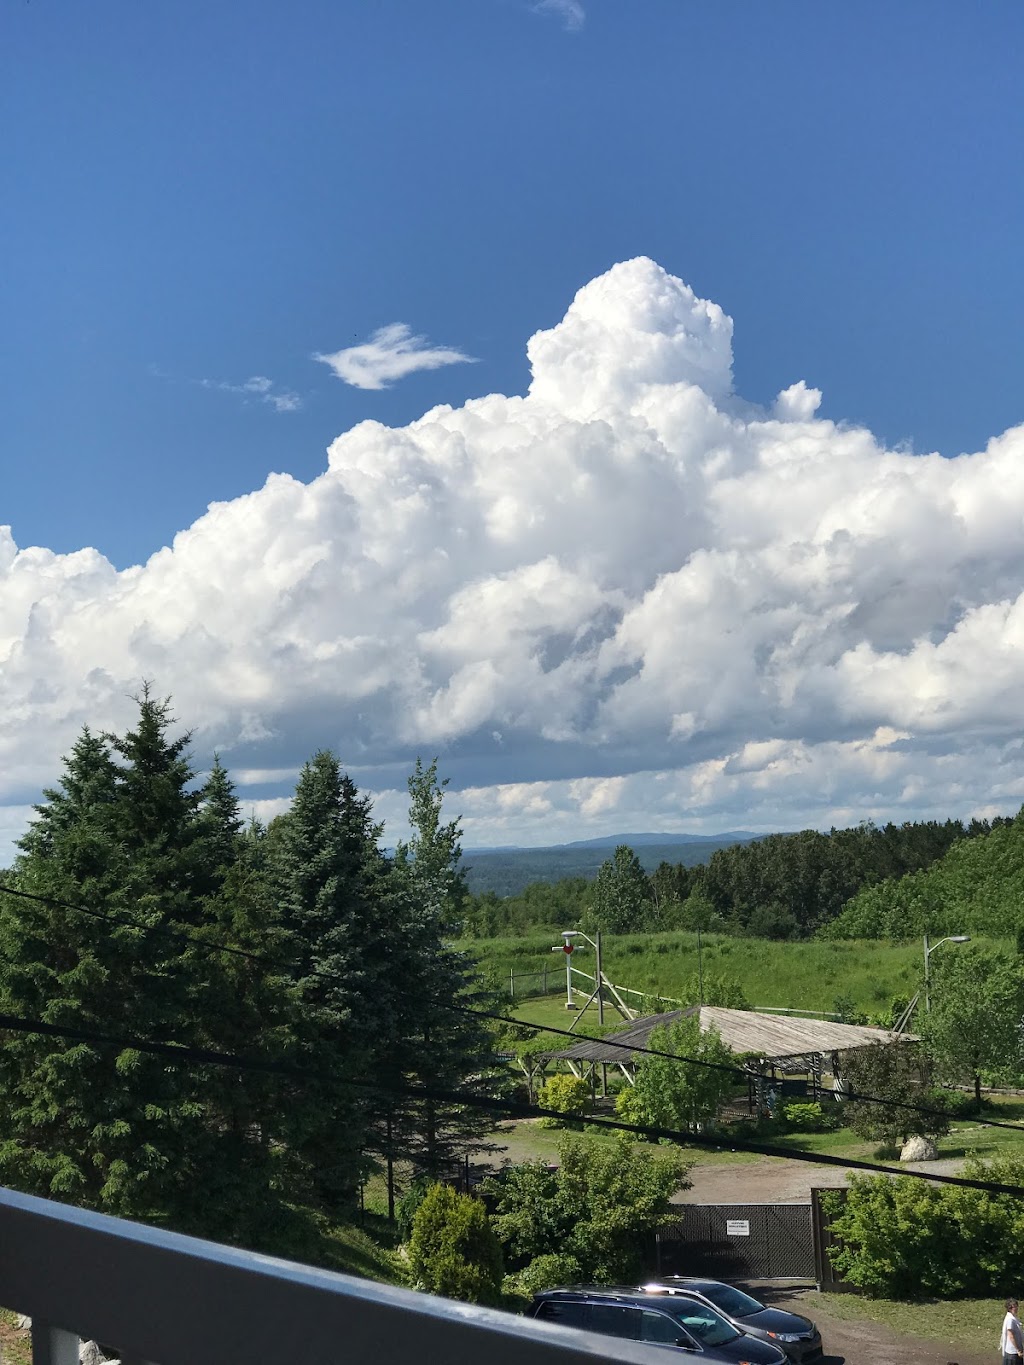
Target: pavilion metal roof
773,1036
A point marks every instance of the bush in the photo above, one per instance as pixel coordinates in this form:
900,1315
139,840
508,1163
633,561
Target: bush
801,1117
630,1107
904,1239
957,1104
599,1206
405,1209
565,1094
543,1272
453,1250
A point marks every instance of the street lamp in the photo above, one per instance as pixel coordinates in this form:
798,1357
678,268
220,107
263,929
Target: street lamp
950,938
567,936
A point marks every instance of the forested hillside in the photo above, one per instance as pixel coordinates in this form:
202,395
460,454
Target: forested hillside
977,887
782,886
789,885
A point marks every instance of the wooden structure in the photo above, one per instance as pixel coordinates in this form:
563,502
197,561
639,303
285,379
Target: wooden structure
784,1045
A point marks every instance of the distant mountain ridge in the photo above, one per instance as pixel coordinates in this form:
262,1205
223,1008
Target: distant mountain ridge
732,836
508,871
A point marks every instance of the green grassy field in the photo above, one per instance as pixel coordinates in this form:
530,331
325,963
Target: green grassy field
959,1323
802,975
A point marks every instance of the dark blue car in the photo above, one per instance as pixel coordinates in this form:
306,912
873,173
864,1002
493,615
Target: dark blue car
634,1315
797,1336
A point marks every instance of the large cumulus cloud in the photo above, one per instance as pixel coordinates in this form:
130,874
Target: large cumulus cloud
627,597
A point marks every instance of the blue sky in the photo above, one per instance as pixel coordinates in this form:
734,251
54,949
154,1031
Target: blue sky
199,197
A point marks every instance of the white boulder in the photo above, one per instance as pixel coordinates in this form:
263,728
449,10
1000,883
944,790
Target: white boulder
919,1149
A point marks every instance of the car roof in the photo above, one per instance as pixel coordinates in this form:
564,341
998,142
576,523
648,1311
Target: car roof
686,1282
620,1293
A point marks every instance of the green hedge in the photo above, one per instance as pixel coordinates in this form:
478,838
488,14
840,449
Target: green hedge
907,1239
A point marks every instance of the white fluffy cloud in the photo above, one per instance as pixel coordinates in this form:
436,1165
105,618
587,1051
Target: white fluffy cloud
628,599
391,353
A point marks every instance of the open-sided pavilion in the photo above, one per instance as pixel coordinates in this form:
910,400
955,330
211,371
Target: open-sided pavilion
774,1044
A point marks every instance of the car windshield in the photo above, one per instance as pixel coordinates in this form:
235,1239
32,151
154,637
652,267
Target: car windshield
731,1300
705,1324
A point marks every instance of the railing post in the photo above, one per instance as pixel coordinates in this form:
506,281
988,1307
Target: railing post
52,1345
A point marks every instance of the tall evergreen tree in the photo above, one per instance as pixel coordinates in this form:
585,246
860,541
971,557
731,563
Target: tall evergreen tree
326,871
115,1127
443,1048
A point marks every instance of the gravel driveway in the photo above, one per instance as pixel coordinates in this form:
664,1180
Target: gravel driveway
772,1180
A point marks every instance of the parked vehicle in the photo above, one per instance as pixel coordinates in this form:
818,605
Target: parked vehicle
797,1335
689,1326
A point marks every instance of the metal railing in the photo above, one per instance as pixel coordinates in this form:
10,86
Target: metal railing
164,1298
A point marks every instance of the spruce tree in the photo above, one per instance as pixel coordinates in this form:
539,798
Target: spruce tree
326,873
442,1047
55,966
245,1010
114,1127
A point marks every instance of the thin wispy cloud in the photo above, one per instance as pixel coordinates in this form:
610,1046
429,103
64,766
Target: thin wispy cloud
260,388
257,387
570,12
391,353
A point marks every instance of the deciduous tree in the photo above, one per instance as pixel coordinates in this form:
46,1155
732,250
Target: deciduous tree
976,1016
622,899
683,1093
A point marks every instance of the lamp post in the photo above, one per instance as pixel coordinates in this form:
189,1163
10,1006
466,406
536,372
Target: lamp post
950,938
567,936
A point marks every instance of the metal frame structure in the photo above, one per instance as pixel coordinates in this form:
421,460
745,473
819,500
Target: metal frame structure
172,1300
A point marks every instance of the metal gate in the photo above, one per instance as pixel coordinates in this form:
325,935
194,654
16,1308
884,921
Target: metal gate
740,1241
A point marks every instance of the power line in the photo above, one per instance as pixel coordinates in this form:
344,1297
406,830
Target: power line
181,1053
189,936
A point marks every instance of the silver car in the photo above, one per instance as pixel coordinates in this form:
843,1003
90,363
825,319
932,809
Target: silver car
795,1335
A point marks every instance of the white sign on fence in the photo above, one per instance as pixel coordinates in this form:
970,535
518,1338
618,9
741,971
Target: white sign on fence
737,1227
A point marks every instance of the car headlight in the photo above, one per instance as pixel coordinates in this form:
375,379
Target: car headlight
786,1336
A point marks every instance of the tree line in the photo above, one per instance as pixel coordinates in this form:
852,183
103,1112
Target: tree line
780,886
974,888
134,878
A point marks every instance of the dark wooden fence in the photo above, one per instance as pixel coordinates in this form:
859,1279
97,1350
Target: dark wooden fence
748,1241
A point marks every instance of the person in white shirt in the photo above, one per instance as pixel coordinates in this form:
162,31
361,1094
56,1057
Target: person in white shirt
1011,1338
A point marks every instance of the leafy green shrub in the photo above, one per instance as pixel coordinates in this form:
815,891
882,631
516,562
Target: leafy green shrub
956,1104
630,1107
599,1206
453,1250
810,1117
405,1209
565,1094
543,1272
904,1239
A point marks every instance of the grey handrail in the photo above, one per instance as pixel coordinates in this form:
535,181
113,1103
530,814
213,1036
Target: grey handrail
162,1297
